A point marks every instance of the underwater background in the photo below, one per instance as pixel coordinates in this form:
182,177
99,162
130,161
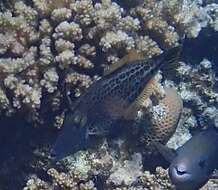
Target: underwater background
52,51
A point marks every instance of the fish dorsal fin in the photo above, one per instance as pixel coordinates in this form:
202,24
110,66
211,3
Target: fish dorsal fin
168,153
142,100
132,55
171,59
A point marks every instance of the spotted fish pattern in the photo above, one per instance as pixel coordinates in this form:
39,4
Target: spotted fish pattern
156,125
105,102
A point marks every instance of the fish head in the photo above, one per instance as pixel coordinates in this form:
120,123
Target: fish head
192,164
72,136
190,171
196,160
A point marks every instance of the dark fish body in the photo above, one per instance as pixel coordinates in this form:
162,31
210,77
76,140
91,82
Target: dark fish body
127,82
105,100
128,4
194,162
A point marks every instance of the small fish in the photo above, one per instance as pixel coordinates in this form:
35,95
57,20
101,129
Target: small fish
128,4
193,164
106,101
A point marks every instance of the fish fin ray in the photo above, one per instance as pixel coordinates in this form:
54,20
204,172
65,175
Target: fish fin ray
170,59
169,68
172,55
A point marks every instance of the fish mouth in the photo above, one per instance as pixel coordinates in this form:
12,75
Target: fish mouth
179,176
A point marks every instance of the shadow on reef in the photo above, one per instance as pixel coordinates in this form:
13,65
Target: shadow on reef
154,161
205,46
20,147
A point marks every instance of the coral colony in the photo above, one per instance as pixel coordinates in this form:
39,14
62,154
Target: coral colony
66,40
52,51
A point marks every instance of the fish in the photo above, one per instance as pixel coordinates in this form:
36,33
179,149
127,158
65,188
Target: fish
106,101
193,164
128,4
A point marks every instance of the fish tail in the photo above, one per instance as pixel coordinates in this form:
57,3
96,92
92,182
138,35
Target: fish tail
168,60
170,56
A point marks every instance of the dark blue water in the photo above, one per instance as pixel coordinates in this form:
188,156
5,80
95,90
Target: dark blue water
205,46
18,143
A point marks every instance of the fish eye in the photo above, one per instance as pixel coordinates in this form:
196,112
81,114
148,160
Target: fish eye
202,162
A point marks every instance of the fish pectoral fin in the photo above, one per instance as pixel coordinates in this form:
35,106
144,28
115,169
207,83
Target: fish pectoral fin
142,101
168,153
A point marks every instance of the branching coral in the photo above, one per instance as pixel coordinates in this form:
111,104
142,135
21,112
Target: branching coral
88,169
50,49
46,44
71,180
198,91
212,10
158,181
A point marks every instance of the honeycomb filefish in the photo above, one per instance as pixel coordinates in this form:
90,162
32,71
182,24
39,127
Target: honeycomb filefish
106,101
